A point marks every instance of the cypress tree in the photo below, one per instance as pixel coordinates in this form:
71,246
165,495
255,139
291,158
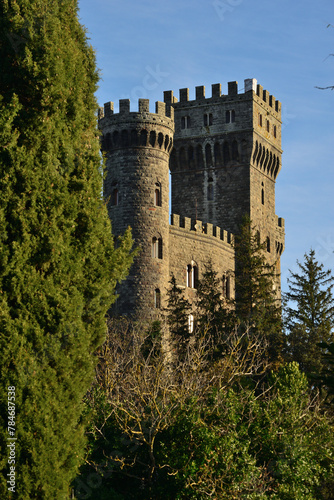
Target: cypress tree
58,263
309,314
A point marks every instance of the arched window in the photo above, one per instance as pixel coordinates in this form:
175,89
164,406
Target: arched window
199,156
191,157
192,275
210,189
153,138
157,194
226,152
157,298
157,248
143,137
217,154
235,151
208,155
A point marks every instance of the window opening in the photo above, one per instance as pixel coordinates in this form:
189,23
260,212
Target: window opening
230,116
185,122
157,195
157,298
268,244
157,248
192,276
190,323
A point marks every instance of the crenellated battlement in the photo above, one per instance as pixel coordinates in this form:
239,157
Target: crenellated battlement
250,85
200,228
162,111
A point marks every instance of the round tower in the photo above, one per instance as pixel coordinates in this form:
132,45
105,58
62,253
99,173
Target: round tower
136,187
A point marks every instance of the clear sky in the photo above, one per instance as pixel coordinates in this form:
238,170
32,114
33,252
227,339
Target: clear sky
146,47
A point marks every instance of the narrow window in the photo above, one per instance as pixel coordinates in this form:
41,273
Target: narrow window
262,194
226,152
157,195
192,276
160,248
228,287
268,126
190,323
260,120
157,298
230,116
157,248
208,120
154,247
143,137
268,244
189,273
114,197
185,122
210,189
275,131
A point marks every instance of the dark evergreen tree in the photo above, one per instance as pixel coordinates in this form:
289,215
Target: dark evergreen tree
256,303
214,316
177,312
309,315
58,264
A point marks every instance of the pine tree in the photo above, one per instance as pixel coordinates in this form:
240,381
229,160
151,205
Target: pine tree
214,317
58,264
177,312
309,314
256,302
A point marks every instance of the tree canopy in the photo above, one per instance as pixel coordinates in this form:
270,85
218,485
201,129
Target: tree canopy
58,262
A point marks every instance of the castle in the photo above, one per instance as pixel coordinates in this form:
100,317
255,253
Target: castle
223,153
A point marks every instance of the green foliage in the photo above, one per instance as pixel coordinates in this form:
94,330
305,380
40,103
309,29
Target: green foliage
213,311
58,264
292,438
178,310
311,319
237,443
256,302
326,376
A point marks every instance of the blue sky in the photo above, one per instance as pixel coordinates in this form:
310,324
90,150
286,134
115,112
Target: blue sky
146,47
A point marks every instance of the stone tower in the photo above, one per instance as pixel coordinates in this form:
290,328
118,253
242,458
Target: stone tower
226,157
138,146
